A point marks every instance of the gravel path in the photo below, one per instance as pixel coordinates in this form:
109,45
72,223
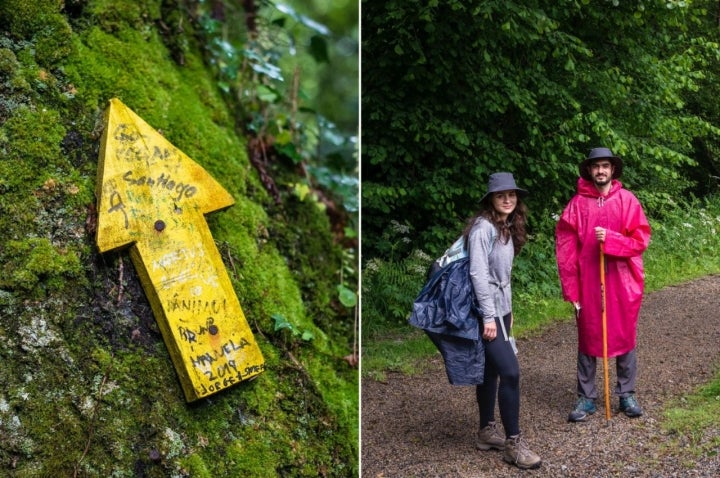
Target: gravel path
423,426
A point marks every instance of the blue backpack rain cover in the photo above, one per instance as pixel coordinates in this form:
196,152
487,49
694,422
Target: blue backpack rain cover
447,311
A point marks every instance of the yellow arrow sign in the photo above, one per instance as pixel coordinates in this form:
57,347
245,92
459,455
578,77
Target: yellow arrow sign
154,197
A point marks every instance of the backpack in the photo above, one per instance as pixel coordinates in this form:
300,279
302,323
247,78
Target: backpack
453,253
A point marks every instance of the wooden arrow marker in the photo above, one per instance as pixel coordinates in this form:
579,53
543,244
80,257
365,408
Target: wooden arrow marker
153,197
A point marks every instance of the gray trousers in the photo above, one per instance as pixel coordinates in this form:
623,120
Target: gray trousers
626,366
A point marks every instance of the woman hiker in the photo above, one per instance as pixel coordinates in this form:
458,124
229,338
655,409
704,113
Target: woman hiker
493,237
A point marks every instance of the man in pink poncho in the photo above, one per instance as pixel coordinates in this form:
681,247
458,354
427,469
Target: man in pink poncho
602,212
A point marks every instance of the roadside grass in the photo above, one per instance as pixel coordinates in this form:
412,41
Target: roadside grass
405,349
685,246
695,420
402,350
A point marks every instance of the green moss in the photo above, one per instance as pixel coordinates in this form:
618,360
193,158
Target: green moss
13,80
8,63
25,18
195,466
31,140
54,41
254,458
34,261
102,357
122,15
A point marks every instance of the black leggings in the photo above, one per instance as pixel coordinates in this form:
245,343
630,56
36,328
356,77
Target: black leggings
500,362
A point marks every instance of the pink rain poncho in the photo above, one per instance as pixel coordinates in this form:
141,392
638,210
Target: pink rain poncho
578,258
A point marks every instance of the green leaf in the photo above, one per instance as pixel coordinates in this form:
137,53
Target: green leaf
266,94
319,49
283,137
347,297
308,22
301,190
281,322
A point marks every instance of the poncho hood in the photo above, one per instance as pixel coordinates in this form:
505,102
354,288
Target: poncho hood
587,188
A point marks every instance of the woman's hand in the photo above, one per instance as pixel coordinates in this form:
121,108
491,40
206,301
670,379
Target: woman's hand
489,330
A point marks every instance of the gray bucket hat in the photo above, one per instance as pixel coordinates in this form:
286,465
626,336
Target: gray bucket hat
601,153
503,182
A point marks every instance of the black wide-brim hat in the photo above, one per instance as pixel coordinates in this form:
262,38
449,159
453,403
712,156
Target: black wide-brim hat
601,153
503,182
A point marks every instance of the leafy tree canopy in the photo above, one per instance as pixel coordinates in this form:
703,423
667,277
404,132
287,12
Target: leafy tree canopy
455,90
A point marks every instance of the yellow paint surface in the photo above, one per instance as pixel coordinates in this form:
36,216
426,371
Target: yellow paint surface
153,197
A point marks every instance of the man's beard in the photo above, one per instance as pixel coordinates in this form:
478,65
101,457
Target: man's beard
601,182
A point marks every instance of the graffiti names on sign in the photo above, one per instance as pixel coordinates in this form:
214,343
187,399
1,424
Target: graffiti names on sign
153,198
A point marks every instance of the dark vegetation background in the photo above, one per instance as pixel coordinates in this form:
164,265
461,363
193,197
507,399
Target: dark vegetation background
263,95
457,90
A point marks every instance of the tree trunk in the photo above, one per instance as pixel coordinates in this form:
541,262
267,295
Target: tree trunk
88,385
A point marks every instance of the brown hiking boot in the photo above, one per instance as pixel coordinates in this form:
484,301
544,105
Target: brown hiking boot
490,437
518,454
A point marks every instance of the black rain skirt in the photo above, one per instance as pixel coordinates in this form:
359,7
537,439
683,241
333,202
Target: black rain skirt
464,358
446,310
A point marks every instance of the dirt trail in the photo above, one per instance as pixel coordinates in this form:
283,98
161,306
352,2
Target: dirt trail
423,426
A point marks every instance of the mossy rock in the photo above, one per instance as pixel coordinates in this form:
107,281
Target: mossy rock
88,385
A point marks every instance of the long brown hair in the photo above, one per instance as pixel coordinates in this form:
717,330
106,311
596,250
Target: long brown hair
513,227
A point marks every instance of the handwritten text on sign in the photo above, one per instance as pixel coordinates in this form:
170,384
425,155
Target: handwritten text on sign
153,197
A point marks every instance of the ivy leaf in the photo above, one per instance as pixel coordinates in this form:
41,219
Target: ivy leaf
281,322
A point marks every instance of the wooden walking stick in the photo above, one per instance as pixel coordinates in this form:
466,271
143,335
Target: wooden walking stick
604,330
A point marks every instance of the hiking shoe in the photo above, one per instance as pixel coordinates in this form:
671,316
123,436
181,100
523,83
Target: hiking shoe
630,406
583,408
490,437
517,453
